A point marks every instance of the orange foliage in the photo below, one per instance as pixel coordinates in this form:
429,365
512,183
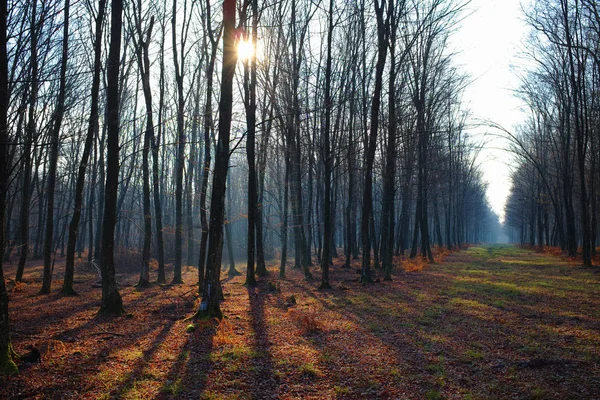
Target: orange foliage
440,253
307,321
551,250
224,334
420,263
414,264
18,287
557,252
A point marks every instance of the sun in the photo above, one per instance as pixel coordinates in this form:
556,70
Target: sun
245,49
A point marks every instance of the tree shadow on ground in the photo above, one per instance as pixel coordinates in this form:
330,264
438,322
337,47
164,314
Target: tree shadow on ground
266,383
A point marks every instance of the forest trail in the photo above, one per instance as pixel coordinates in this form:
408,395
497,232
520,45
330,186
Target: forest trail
489,322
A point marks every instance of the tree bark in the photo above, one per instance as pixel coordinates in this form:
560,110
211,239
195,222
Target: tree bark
54,139
209,307
111,299
29,135
367,206
142,45
327,161
7,365
208,125
250,104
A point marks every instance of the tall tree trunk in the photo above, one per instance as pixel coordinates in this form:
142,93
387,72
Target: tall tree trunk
111,299
284,224
389,191
367,206
210,296
180,159
29,136
208,125
228,237
581,137
143,59
54,144
91,201
156,188
327,161
7,366
250,104
190,176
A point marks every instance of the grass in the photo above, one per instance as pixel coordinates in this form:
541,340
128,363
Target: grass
309,370
172,388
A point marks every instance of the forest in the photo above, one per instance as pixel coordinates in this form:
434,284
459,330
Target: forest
254,199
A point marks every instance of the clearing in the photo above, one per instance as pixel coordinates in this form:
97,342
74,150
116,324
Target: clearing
489,322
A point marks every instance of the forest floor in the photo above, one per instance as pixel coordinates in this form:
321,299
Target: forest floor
490,322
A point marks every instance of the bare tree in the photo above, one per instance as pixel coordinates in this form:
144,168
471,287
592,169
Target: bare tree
111,299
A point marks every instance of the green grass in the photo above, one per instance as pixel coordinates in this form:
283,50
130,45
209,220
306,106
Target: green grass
172,388
309,370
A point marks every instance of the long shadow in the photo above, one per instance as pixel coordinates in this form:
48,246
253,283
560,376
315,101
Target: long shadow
266,383
141,364
75,381
187,378
376,326
77,367
487,332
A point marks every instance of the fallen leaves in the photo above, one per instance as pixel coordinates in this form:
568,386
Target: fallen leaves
495,322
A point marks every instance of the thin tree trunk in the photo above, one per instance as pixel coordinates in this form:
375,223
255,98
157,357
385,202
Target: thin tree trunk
387,215
367,206
54,144
144,67
327,161
180,159
29,135
284,225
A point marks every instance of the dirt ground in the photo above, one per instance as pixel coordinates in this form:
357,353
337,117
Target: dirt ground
489,322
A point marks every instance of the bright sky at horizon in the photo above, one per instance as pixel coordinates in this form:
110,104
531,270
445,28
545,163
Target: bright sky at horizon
488,42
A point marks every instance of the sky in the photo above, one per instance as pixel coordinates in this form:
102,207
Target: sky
488,43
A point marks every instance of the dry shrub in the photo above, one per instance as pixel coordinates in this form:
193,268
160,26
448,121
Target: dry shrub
440,253
415,264
153,264
18,287
56,347
552,250
224,334
307,321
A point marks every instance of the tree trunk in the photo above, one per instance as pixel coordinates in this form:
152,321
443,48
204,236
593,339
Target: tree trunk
209,307
284,225
144,68
327,161
111,299
180,159
387,214
208,125
54,144
367,206
29,135
7,366
232,271
250,104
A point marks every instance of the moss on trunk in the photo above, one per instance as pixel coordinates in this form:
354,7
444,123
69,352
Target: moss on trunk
7,365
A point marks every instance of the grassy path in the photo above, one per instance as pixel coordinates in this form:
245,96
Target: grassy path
490,322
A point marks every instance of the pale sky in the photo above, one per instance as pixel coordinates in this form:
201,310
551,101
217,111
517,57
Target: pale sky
488,41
